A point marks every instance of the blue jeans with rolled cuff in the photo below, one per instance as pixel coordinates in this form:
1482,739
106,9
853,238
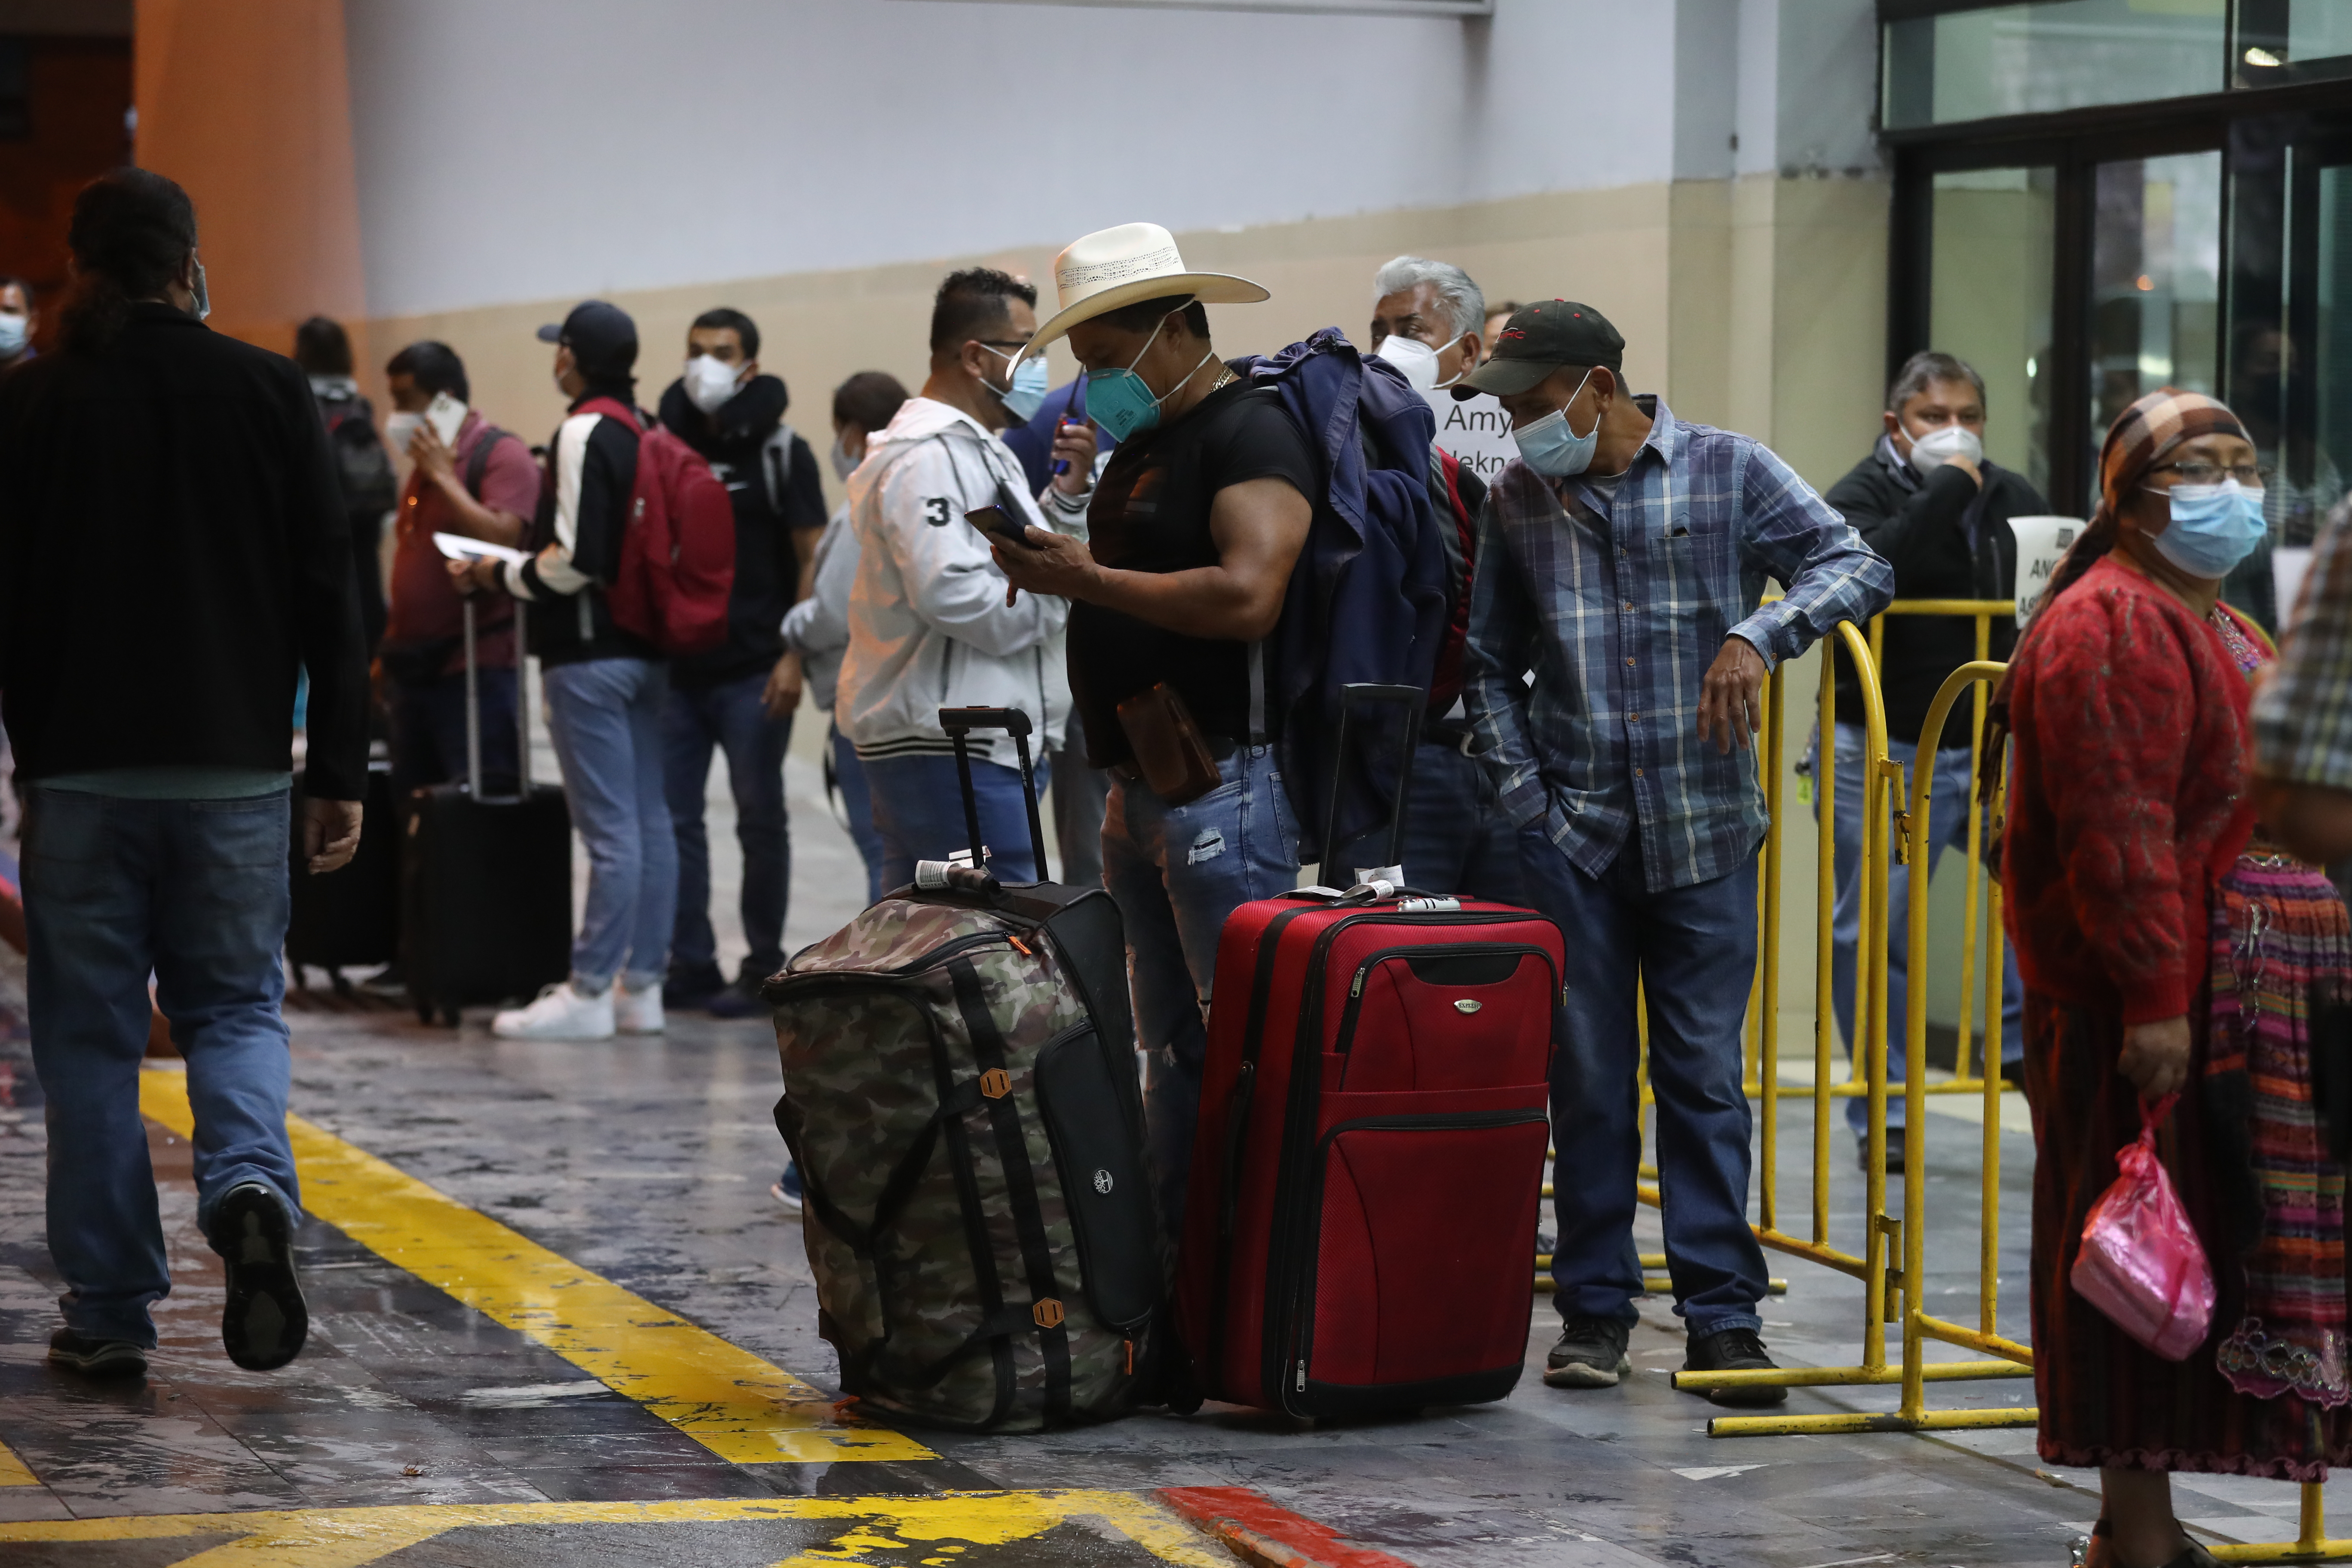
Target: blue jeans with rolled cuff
604,717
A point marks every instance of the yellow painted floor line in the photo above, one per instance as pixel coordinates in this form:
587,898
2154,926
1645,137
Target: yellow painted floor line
743,1409
13,1472
956,1521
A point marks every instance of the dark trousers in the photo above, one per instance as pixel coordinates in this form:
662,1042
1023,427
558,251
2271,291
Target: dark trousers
730,717
1696,948
1456,839
428,732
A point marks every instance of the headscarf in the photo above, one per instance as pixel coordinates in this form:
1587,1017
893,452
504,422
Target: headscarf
2139,439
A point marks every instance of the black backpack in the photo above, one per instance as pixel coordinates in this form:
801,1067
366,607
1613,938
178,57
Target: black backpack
361,462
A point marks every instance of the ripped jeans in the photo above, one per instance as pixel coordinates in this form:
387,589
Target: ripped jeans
1176,872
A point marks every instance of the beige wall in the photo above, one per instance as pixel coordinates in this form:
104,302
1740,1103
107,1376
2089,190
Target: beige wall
1689,271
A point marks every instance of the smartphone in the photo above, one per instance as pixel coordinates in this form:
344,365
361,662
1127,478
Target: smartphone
992,521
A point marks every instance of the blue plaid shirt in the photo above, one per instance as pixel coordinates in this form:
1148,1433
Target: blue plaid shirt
1619,605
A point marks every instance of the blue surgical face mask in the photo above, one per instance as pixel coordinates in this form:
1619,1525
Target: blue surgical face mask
1027,392
1552,449
2213,527
13,333
203,295
1121,402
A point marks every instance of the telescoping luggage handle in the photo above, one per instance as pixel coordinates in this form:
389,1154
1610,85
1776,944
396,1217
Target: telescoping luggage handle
959,724
473,710
1411,698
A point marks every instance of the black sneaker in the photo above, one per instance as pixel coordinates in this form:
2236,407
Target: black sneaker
94,1357
1893,1152
691,990
265,1323
1733,1349
1591,1354
740,1000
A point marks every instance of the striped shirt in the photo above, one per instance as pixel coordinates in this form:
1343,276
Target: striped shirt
2303,717
1618,604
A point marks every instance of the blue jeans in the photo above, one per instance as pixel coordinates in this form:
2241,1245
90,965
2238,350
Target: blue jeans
1176,872
1948,821
1456,839
604,717
919,813
733,716
195,891
857,804
1696,948
428,732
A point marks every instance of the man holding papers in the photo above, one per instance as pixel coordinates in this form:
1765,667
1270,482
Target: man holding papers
472,480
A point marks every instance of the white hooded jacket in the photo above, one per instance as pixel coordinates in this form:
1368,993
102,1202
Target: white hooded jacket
928,627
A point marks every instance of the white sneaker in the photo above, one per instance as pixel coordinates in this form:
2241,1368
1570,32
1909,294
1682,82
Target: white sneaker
559,1014
637,1012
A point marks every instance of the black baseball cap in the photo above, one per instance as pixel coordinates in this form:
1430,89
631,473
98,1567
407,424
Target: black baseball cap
602,338
1537,340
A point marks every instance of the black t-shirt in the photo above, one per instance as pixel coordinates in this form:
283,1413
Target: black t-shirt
1150,514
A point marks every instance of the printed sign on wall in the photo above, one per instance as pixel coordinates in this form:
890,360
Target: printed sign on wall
2041,541
1477,433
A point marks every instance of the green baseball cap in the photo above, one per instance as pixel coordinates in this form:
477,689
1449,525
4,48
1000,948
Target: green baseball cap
1539,339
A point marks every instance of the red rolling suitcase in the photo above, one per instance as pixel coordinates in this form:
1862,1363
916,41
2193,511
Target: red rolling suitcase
1362,1211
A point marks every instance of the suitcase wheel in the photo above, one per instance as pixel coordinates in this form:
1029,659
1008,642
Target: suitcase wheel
448,1017
425,1012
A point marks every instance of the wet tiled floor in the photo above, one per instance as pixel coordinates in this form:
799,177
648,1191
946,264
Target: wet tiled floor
420,1430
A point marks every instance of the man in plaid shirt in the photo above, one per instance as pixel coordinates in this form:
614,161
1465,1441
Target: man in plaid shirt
1615,670
2303,717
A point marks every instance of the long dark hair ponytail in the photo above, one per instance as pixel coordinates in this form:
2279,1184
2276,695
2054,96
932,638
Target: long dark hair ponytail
132,231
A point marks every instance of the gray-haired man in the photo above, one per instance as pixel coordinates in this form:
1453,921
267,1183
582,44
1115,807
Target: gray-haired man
1428,318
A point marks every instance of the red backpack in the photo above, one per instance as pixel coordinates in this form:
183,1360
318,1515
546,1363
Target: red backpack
678,558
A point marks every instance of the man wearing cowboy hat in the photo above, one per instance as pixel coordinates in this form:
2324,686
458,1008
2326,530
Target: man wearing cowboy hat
1621,559
1191,532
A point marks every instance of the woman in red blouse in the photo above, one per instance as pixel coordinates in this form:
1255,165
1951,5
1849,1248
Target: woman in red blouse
2128,703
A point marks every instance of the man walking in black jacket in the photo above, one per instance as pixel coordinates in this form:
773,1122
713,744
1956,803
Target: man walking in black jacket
738,698
1928,500
172,548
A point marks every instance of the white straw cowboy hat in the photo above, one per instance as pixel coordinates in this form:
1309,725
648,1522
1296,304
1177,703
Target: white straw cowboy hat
1115,266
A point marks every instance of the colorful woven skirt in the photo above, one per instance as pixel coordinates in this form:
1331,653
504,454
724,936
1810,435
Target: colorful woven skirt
2105,1399
2280,935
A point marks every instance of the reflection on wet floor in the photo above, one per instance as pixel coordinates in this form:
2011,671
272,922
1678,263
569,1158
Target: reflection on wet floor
637,1171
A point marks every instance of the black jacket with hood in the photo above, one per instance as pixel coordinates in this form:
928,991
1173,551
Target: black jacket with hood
1946,538
767,564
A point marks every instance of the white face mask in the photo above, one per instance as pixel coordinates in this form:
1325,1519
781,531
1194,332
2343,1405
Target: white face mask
1416,359
1941,445
844,465
14,330
709,381
400,428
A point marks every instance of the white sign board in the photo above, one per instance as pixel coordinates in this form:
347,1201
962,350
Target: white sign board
1475,433
2041,541
2289,564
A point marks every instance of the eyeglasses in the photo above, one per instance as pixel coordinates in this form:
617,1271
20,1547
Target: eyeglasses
2247,474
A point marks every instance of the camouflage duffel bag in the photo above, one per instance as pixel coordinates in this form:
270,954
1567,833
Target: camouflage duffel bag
960,1095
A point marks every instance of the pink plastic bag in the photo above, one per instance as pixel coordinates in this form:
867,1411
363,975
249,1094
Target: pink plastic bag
2141,1261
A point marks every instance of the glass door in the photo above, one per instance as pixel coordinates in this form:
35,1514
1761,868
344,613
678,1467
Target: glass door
1989,267
2155,308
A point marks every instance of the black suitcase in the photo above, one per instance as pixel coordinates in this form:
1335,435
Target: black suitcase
486,911
349,919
